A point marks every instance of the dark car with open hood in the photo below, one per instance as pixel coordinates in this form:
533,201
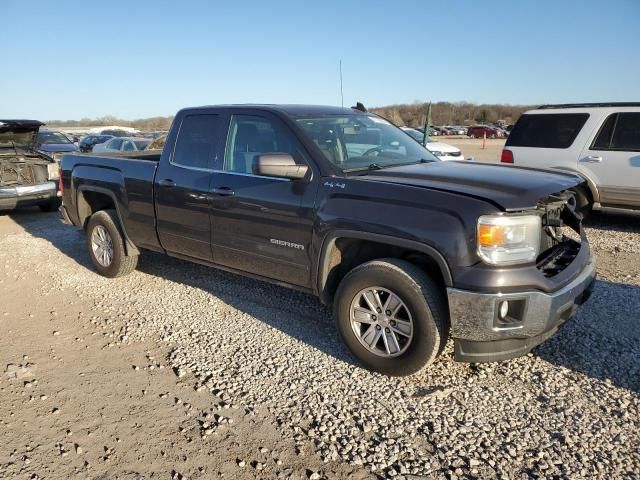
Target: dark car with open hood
27,176
340,203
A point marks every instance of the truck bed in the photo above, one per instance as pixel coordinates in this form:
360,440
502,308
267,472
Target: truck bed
127,178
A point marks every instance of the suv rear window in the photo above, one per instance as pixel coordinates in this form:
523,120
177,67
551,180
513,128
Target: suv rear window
547,130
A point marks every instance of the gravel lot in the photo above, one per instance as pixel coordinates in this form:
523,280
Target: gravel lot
269,359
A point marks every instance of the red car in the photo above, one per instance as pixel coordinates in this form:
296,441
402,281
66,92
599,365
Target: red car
480,130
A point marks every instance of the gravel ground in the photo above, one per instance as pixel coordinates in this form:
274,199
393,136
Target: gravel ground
568,410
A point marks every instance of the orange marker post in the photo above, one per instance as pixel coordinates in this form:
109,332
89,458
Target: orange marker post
484,141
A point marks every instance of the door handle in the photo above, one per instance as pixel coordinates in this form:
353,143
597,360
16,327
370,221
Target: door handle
167,182
223,192
593,159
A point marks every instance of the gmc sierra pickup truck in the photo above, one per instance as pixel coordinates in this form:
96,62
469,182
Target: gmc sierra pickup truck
342,204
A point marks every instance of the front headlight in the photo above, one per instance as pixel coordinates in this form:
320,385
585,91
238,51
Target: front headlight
506,240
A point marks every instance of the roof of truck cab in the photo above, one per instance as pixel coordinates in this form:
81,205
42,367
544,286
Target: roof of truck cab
294,110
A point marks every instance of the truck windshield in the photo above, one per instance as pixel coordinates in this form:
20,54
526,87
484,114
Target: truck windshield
362,142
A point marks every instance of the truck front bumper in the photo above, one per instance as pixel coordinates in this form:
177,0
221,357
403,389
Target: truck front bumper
12,197
481,334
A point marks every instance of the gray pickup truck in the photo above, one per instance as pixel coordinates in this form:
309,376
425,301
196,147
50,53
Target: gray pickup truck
27,177
340,203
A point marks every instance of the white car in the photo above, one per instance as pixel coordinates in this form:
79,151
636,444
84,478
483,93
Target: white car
441,150
122,144
598,141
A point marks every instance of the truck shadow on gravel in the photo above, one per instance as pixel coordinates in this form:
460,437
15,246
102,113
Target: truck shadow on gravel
617,221
602,341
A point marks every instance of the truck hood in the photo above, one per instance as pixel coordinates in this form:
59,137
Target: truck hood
511,188
19,133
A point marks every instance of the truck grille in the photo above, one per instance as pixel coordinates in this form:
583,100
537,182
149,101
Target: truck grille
560,239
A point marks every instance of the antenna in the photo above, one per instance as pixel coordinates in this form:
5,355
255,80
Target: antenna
341,92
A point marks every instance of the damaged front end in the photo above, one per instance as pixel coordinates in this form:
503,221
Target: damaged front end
27,177
562,235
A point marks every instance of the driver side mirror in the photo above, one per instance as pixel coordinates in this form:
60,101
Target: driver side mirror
279,165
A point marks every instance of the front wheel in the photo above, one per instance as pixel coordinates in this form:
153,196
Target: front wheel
106,245
392,316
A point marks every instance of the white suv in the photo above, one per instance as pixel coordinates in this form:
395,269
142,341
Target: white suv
599,141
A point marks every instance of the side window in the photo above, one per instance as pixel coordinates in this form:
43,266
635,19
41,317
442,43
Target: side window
195,145
251,136
626,135
547,130
603,140
115,144
128,146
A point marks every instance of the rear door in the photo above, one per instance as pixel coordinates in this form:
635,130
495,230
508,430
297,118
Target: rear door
182,188
262,225
612,160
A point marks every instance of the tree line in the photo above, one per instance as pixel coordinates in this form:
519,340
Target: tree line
412,115
146,124
447,113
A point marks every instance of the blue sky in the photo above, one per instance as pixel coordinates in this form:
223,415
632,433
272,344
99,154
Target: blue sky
133,59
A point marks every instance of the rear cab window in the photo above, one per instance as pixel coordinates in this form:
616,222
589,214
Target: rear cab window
548,130
196,143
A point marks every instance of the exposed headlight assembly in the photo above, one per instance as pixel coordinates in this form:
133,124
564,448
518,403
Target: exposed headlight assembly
53,171
505,240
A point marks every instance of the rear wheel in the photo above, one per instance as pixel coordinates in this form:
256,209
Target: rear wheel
106,245
392,316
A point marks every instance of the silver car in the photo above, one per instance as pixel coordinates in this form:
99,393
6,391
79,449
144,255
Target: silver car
122,144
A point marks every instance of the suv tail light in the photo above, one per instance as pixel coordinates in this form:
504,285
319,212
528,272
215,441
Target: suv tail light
507,156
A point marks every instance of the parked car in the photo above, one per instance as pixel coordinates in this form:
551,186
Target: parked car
455,130
123,144
342,204
27,176
442,130
441,150
54,143
87,143
598,141
478,131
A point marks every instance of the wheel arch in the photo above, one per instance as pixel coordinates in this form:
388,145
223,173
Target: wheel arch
593,188
92,199
333,264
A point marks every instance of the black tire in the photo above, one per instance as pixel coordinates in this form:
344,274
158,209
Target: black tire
121,264
423,297
584,203
51,206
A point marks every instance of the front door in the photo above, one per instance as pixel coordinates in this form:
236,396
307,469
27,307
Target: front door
262,225
613,160
182,188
